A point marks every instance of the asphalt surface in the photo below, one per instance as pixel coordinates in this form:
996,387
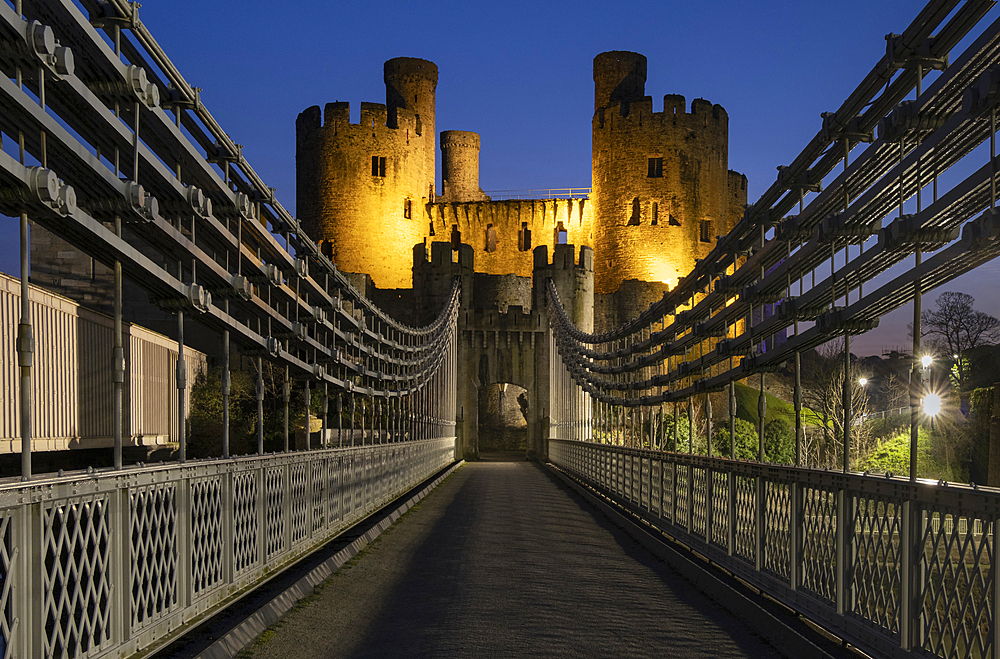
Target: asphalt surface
502,560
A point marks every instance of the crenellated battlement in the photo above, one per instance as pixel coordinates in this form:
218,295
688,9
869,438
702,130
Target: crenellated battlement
639,114
374,119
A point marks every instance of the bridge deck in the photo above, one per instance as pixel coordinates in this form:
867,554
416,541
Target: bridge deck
504,560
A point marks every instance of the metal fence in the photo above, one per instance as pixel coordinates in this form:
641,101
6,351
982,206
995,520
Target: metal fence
540,193
74,372
896,567
111,563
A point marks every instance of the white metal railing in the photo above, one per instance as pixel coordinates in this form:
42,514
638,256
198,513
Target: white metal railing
540,193
898,568
110,563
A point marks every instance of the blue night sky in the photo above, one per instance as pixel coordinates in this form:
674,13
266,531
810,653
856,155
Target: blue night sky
520,74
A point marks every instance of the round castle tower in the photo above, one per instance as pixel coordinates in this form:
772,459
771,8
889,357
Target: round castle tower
460,166
361,188
662,189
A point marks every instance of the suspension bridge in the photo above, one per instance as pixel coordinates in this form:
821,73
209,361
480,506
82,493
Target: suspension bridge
108,147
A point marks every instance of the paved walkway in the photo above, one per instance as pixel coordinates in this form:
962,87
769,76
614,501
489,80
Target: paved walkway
502,560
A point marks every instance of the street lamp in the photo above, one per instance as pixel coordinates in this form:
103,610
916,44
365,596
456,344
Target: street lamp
863,381
932,405
926,361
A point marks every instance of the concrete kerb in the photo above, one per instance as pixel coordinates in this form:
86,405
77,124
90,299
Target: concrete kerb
244,633
787,640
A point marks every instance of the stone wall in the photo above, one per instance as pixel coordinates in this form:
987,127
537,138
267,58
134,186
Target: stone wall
496,229
460,167
367,215
661,185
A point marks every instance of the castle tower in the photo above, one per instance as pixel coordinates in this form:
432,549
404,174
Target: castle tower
460,167
662,188
410,84
361,188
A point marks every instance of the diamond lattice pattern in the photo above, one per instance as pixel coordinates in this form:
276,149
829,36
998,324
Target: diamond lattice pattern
244,520
154,552
777,513
746,519
720,508
819,542
206,533
957,597
76,586
8,567
876,577
274,515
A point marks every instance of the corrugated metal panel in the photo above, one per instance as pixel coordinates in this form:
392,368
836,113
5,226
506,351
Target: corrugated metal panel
72,386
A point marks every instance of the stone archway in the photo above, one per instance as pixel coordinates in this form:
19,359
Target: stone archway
503,418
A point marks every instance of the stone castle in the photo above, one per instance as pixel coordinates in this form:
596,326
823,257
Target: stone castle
661,193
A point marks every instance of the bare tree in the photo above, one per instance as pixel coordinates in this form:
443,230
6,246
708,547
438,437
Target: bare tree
954,326
823,393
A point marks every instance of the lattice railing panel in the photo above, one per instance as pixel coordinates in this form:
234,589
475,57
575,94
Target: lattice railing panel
153,514
819,542
645,484
334,491
245,534
668,491
746,518
319,485
76,584
720,509
206,533
875,571
655,487
299,500
957,599
777,516
274,510
8,568
699,501
683,471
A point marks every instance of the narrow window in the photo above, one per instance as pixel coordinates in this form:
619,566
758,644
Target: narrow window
491,238
634,218
524,238
655,212
431,231
655,168
407,209
562,237
456,237
378,166
706,231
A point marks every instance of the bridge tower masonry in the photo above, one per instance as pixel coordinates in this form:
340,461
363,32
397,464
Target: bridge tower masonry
505,344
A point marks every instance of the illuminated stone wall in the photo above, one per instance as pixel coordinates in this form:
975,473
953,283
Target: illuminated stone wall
495,229
653,219
460,167
368,215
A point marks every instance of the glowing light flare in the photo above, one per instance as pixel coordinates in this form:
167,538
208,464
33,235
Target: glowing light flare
863,381
932,405
926,361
